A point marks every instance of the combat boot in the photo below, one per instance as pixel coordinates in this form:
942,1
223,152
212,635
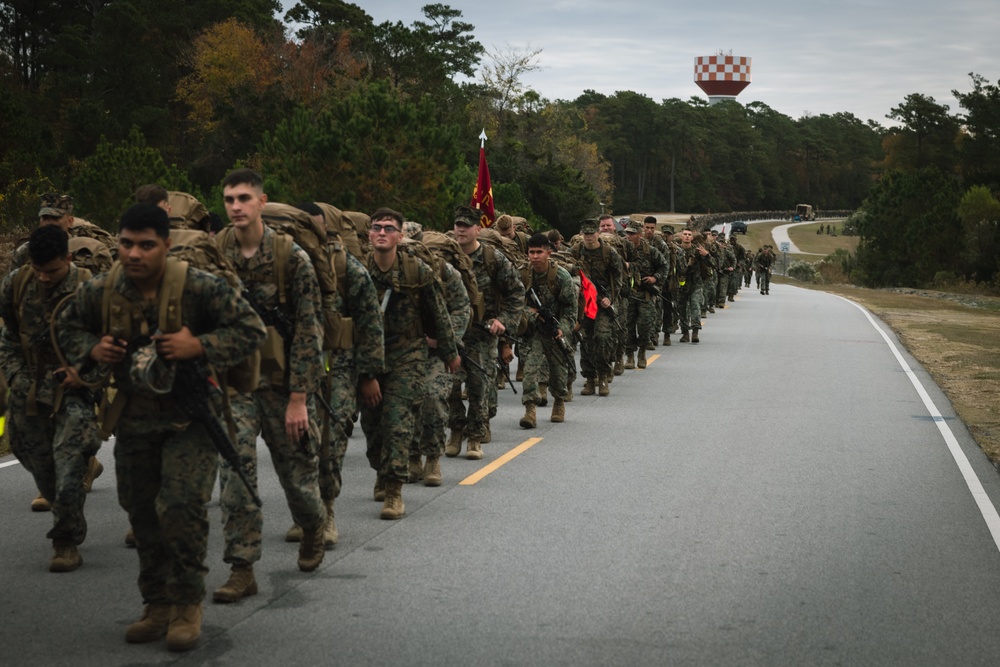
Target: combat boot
603,389
528,420
311,548
241,584
730,298
40,504
416,470
65,557
474,450
641,361
294,534
568,398
558,411
151,625
185,627
694,335
379,491
543,395
454,446
685,338
619,366
666,340
630,361
650,346
486,438
432,471
393,507
519,375
330,534
501,381
588,387
94,470
711,309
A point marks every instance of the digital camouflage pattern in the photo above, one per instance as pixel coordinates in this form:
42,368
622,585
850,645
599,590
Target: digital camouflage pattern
543,359
643,315
604,267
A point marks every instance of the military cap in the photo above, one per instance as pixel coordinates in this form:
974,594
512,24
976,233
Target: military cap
633,227
466,216
668,229
55,206
588,226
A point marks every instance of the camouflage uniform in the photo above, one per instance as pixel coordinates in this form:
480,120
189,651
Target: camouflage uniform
503,296
661,315
434,408
711,281
543,358
604,267
263,411
644,260
52,432
762,263
365,357
727,269
690,292
391,425
165,465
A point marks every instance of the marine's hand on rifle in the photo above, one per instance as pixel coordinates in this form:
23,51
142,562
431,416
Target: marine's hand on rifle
497,327
296,416
605,302
371,392
70,378
453,365
109,350
649,280
179,346
506,353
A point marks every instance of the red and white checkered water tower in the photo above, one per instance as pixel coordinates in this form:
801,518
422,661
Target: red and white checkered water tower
722,76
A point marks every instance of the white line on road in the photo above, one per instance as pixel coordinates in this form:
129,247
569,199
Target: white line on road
9,463
986,507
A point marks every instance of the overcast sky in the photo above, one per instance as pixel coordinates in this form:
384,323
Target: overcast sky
809,56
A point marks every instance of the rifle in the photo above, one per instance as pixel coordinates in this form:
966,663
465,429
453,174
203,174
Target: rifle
604,293
506,372
192,394
512,339
549,325
274,317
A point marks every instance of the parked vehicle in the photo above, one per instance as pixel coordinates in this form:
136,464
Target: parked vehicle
804,212
738,227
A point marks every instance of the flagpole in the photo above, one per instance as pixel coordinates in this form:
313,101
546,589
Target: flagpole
482,138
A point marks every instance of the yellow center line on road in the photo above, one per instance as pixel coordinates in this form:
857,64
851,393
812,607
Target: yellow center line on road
517,451
652,359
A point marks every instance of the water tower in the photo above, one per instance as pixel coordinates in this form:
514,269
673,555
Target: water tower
722,76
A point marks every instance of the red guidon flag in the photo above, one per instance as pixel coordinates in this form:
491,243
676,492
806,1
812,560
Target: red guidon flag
589,297
482,196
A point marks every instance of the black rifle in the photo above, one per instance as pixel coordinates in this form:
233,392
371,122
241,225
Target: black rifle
549,326
506,372
274,317
510,338
192,394
604,293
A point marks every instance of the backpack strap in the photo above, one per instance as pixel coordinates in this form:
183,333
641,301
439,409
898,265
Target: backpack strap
171,296
282,256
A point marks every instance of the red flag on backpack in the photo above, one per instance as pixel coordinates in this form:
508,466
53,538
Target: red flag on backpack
589,297
482,195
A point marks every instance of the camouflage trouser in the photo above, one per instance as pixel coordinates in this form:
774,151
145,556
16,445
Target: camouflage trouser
734,282
708,291
472,422
721,287
430,437
621,335
343,398
543,362
764,278
296,463
391,425
165,478
689,302
597,352
668,312
55,449
642,318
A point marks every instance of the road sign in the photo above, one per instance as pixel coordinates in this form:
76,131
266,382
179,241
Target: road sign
785,246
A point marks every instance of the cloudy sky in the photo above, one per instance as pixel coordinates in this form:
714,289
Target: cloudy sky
809,56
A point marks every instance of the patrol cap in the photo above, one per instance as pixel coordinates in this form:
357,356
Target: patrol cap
633,227
55,205
588,226
466,216
668,229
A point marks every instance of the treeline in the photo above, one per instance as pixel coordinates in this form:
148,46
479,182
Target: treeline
99,97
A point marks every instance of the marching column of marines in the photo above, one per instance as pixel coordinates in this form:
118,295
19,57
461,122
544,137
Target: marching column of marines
188,340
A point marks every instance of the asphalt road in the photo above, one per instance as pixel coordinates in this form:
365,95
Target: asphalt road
781,493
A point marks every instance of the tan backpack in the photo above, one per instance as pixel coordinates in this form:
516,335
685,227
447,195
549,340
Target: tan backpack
186,212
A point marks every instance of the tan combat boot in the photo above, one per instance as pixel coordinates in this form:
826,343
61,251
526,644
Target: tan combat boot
543,394
641,361
666,340
330,533
489,435
241,584
475,450
685,338
454,446
94,470
694,335
311,549
650,346
393,507
603,388
568,398
630,361
619,366
379,491
416,469
558,411
528,420
65,557
432,471
151,625
40,504
519,375
185,627
294,533
588,387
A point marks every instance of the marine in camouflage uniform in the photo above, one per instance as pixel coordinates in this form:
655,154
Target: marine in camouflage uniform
649,271
414,313
95,247
165,464
695,264
53,426
502,295
727,268
545,358
656,241
736,277
675,260
282,410
607,227
711,281
603,267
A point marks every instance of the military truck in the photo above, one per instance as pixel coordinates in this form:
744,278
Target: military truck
804,212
